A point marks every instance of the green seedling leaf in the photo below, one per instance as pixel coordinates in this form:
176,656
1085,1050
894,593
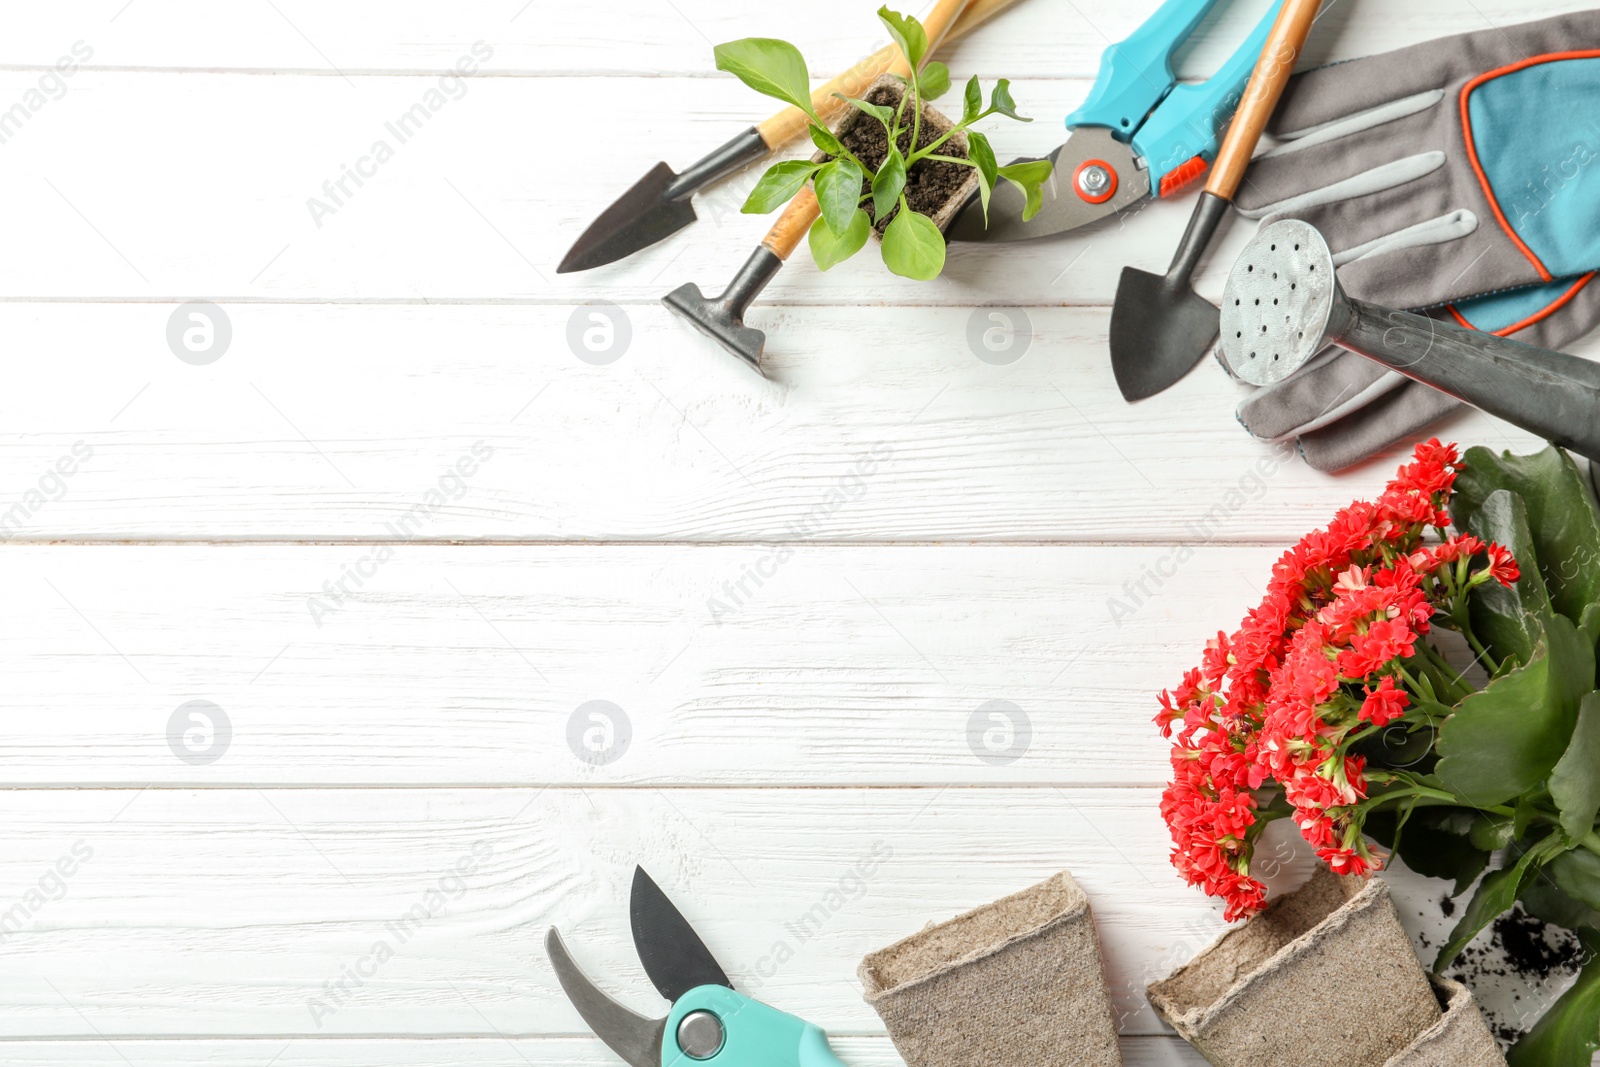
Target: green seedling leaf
980,152
839,192
888,183
1030,178
907,33
1569,1032
825,140
1000,101
770,67
913,247
1561,514
1575,782
971,101
934,81
1495,895
1503,740
779,185
830,249
880,112
1500,616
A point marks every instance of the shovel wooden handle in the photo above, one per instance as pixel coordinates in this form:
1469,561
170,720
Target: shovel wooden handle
789,124
795,222
1260,99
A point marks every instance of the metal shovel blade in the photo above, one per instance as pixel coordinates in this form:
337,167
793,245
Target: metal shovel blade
1160,328
641,216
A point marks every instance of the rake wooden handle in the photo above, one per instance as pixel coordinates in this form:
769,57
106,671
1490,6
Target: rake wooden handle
795,222
1260,99
789,124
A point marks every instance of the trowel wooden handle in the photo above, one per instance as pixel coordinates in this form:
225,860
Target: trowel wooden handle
792,226
1260,99
790,124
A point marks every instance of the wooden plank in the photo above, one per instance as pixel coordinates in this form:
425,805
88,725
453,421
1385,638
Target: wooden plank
1037,40
446,1052
307,190
229,912
237,912
338,421
477,665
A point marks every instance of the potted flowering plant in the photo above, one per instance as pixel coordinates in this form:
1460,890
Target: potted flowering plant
893,166
1335,706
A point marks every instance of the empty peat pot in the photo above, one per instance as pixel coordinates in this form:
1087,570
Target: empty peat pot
1017,982
1325,977
1283,304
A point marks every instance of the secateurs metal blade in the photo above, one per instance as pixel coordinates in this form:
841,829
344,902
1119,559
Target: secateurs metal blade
1138,135
709,1022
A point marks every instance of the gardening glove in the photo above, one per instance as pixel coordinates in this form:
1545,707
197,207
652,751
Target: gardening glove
1438,172
1343,407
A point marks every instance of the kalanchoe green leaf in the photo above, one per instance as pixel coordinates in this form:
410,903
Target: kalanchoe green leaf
1561,515
1491,832
971,101
1030,178
913,247
888,183
1545,900
825,140
1434,843
1502,741
907,34
880,112
1575,782
981,154
1495,895
830,249
1502,618
1569,1032
1577,874
934,81
770,67
839,193
778,186
1000,101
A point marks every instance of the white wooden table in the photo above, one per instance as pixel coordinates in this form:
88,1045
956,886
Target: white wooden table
928,531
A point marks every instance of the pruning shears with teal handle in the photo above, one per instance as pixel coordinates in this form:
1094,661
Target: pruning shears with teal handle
1139,134
710,1023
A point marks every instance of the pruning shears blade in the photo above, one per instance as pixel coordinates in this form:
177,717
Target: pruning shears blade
674,957
1071,202
627,1033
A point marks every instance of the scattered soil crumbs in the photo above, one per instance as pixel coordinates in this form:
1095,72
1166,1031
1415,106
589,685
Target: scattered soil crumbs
928,184
1526,951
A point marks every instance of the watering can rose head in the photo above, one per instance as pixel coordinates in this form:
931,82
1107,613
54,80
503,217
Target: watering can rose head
1280,718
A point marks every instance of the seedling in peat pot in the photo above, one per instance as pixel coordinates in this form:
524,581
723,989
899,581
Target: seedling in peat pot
893,164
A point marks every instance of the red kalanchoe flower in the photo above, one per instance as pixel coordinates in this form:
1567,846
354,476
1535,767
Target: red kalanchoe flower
1384,704
1277,706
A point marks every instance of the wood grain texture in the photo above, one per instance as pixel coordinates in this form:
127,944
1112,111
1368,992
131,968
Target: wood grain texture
1285,43
844,666
1039,39
446,1052
956,528
339,421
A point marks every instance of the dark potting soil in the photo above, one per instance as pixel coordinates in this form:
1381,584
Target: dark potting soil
1528,949
928,184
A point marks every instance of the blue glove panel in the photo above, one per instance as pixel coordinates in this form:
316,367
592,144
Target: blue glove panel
1500,311
1539,150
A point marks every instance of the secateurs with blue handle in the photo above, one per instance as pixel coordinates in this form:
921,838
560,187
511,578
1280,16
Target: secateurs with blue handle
709,1023
1140,133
